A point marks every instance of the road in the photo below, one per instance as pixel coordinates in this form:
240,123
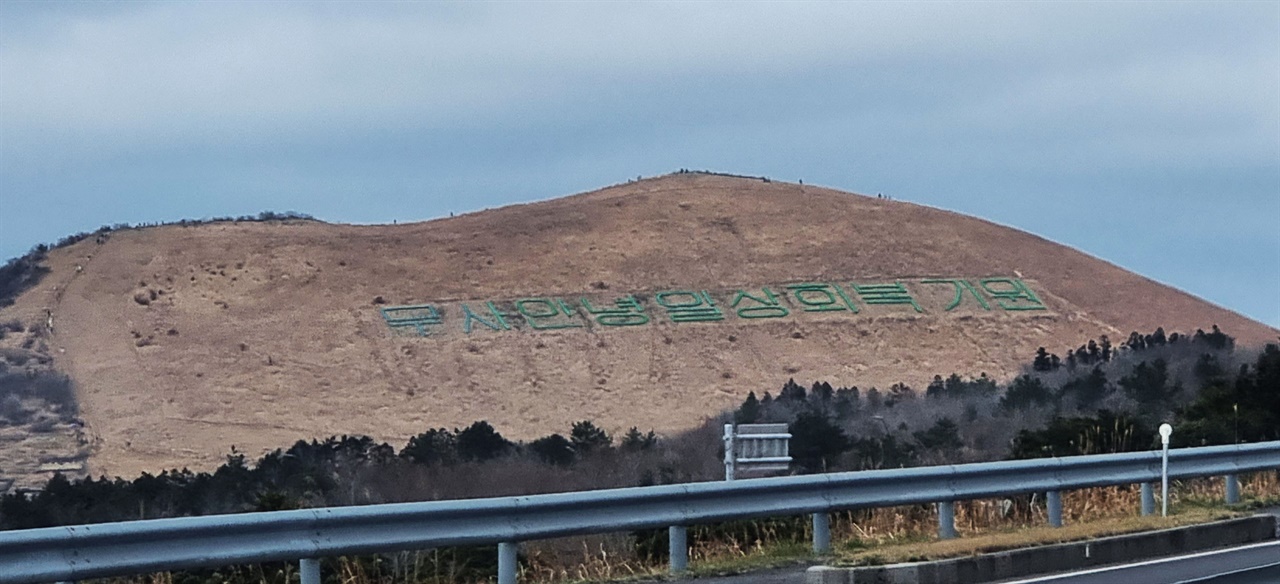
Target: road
1248,564
1252,564
1229,566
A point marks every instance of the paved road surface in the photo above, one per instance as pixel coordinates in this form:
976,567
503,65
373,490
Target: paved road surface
1258,562
1268,575
1162,575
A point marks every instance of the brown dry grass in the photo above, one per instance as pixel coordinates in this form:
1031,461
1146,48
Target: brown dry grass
261,334
907,533
993,541
870,536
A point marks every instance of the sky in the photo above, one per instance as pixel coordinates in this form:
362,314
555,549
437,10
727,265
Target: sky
1146,134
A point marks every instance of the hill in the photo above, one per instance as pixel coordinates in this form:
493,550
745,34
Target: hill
183,341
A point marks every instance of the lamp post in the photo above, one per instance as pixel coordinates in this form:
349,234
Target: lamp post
1165,431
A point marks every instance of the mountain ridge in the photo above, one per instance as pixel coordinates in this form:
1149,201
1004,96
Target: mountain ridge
184,341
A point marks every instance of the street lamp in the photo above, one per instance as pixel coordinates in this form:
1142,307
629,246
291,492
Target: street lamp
1165,431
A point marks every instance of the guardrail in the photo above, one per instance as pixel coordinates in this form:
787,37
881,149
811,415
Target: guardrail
116,549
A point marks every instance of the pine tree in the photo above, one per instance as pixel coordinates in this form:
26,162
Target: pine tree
480,442
792,391
1025,391
1041,361
587,438
816,442
874,400
435,446
936,387
634,441
1088,390
554,449
943,436
846,402
1149,384
749,412
899,392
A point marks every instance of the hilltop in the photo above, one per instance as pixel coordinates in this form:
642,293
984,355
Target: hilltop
183,341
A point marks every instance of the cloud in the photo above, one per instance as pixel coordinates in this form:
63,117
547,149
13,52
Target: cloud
163,71
147,111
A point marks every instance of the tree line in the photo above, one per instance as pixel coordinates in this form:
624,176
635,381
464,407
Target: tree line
1109,400
1213,393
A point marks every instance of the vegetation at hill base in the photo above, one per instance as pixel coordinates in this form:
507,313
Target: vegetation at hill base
1101,398
21,273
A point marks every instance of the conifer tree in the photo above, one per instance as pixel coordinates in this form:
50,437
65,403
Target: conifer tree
587,438
749,412
480,442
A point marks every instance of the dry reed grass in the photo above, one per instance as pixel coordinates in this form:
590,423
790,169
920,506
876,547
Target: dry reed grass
1111,509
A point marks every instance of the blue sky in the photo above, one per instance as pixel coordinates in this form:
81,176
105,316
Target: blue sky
1147,134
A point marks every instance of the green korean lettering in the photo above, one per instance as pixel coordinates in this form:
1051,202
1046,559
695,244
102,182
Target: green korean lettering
1016,297
819,297
895,293
626,311
769,307
417,317
546,313
499,323
961,286
698,308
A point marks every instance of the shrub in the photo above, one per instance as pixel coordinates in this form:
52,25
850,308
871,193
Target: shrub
554,449
19,274
480,442
435,446
11,409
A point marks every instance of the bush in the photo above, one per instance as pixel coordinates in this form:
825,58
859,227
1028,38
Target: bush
44,425
58,391
554,449
480,442
435,446
1105,433
11,410
19,274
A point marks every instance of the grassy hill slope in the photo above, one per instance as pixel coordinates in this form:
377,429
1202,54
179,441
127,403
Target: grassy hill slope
184,341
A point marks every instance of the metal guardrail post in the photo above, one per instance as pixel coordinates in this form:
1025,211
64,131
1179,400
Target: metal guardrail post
309,570
1148,499
821,533
678,548
947,520
1053,504
1233,489
730,453
508,561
